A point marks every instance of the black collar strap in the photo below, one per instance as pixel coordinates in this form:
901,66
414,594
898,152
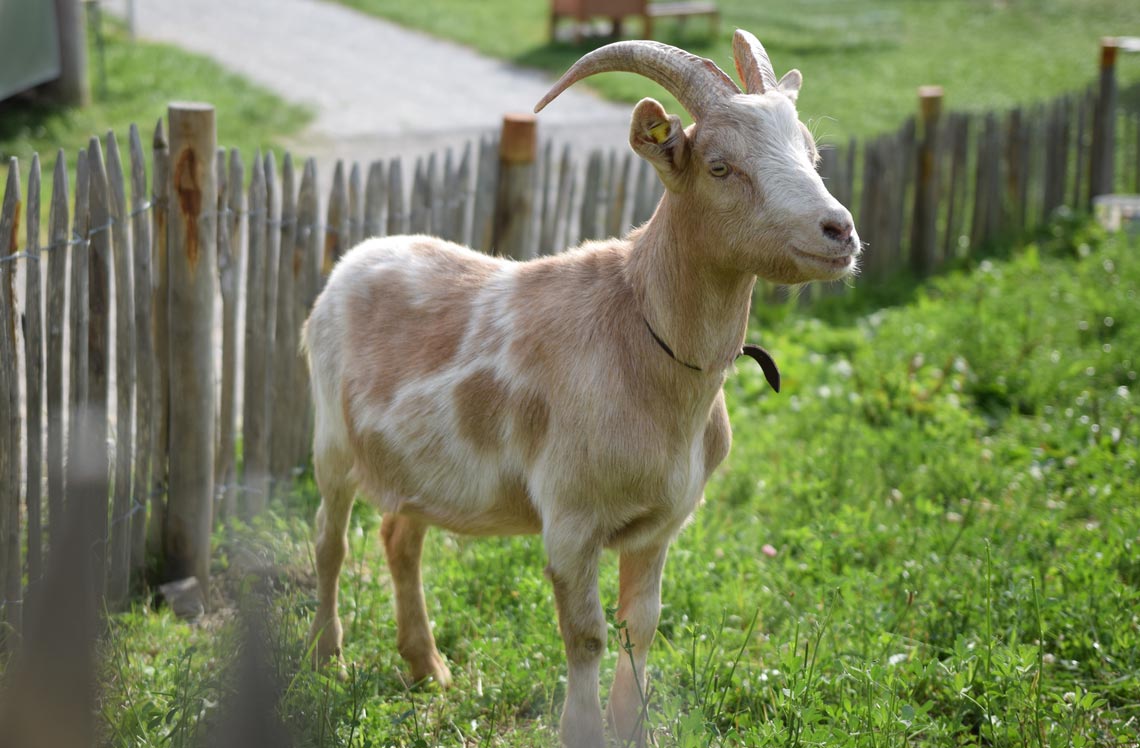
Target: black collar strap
755,352
665,347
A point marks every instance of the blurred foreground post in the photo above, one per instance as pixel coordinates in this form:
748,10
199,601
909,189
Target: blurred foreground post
192,258
47,697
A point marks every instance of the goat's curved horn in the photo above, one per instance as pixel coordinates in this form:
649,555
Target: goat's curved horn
696,82
752,63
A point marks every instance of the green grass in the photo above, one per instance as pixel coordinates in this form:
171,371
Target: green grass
862,60
142,79
948,489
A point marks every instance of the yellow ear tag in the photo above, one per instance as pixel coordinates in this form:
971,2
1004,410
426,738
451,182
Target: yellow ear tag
660,133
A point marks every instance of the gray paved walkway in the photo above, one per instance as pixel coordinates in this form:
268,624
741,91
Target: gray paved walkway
355,72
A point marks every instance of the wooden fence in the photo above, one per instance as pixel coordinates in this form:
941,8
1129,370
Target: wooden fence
116,335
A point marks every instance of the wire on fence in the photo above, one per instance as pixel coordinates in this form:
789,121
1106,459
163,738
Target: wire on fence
78,239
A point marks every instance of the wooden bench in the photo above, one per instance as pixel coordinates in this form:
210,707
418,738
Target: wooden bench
681,10
617,10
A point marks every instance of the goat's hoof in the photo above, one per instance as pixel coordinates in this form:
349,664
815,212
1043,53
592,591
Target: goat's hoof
332,664
432,673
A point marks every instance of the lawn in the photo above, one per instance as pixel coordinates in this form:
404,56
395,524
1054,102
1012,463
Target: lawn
862,59
930,537
141,79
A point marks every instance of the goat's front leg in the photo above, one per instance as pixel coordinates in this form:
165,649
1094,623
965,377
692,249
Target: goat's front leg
639,606
573,570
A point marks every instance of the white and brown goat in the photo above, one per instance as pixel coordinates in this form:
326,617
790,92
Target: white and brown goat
578,396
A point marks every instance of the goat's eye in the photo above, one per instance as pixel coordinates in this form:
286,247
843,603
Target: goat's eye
719,169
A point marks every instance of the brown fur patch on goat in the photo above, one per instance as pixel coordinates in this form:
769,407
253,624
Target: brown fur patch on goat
530,420
393,339
481,401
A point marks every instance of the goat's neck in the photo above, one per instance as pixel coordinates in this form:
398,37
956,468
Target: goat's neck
699,310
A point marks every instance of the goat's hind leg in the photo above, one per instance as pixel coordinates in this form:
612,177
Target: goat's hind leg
403,544
337,492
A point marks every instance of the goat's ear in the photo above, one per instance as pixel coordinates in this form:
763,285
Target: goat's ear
659,138
790,84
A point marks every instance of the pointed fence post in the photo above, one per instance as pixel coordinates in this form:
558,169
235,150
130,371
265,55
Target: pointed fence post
11,585
192,262
510,229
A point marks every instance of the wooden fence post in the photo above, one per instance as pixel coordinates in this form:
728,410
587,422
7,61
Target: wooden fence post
285,359
227,285
160,465
193,285
336,223
924,234
375,201
486,176
1104,123
144,353
255,450
56,294
513,197
269,331
119,552
307,270
98,339
33,377
231,283
10,577
77,320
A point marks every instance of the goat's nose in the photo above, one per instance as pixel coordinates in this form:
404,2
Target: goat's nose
838,228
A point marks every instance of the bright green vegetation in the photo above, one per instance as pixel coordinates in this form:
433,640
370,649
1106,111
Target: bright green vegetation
931,537
141,79
862,59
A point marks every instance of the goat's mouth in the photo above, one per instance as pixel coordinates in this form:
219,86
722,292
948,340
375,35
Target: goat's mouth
832,265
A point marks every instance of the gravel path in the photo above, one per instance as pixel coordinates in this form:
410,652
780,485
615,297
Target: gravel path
355,72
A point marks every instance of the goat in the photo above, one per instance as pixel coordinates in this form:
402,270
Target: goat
579,395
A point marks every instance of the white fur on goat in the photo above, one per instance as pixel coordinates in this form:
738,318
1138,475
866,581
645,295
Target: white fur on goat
493,397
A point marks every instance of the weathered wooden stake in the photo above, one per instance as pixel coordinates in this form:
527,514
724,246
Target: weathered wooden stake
235,202
306,268
336,224
269,331
228,270
355,217
160,466
1101,162
510,227
923,241
397,215
255,469
77,320
10,576
98,340
486,176
33,378
375,200
56,322
286,360
193,284
120,548
144,353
